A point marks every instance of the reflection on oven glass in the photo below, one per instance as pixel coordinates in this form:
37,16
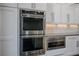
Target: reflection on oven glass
55,43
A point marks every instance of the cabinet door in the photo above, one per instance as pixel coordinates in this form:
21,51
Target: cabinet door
49,17
50,7
0,48
74,14
10,47
49,13
64,13
41,6
56,52
71,48
53,13
25,5
9,30
57,13
9,22
9,4
0,21
77,44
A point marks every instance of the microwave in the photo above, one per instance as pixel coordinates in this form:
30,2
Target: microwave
55,42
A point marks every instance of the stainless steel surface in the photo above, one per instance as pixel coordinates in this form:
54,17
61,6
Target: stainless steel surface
55,42
34,32
32,16
36,15
35,53
27,36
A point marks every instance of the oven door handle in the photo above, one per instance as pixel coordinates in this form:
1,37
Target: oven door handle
26,36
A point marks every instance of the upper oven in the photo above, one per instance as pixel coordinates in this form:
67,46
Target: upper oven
32,22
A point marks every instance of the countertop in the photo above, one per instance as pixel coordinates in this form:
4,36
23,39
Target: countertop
61,34
53,35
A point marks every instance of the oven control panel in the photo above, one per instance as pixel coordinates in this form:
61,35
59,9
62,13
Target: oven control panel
32,12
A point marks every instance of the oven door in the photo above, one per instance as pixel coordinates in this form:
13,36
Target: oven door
32,45
56,42
31,25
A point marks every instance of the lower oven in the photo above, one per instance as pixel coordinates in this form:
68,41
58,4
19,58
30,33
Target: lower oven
32,46
55,42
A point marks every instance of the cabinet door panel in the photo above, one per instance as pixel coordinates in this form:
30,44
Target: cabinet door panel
25,5
41,6
10,47
77,14
9,4
74,14
57,13
77,44
0,22
9,22
71,48
64,13
55,52
0,48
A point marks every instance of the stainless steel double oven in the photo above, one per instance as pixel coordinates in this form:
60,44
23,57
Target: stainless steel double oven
32,31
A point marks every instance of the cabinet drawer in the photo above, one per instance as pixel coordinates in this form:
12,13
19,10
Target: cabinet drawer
55,52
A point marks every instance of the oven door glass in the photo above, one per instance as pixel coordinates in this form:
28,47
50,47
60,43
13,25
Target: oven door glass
30,44
56,43
32,23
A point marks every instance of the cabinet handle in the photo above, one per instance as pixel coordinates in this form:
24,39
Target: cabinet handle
77,43
68,18
52,16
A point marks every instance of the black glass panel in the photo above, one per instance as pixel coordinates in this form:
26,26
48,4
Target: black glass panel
30,44
32,23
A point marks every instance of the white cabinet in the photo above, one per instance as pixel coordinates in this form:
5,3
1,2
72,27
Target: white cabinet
10,47
9,30
49,17
9,4
49,13
9,22
0,32
77,44
37,6
71,15
55,52
41,6
61,12
74,14
57,8
0,47
71,45
64,13
57,13
25,5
